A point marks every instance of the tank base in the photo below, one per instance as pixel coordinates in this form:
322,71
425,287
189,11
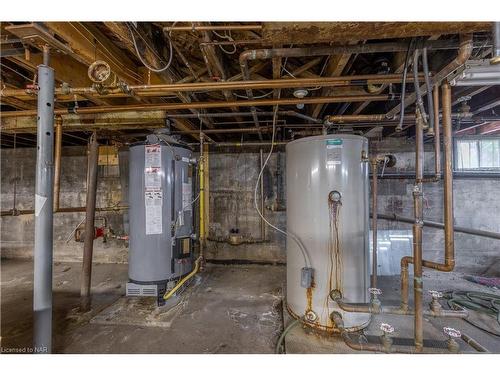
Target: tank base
326,329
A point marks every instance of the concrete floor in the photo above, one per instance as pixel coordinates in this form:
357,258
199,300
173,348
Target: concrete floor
227,309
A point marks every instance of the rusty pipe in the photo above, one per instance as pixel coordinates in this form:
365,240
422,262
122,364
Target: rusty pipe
208,105
374,164
15,212
171,88
88,245
57,161
377,308
213,28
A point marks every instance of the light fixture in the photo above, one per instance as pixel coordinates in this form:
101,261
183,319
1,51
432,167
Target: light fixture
300,93
477,73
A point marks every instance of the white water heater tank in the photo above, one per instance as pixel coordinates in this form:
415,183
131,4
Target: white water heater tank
327,210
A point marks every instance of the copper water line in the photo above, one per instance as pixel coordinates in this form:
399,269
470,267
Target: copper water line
57,161
449,246
418,202
374,164
166,88
208,105
213,28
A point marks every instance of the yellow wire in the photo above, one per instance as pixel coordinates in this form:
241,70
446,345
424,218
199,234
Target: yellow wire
169,294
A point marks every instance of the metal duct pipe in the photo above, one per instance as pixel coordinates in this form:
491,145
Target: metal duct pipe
88,246
435,224
42,282
495,59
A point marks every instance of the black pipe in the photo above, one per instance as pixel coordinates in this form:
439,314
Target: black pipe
435,224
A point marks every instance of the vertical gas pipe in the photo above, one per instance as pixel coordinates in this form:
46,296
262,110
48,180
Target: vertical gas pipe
42,283
417,233
57,162
88,245
449,241
374,164
262,222
201,172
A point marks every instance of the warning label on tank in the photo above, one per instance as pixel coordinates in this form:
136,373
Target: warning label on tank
152,178
186,196
153,201
152,156
334,151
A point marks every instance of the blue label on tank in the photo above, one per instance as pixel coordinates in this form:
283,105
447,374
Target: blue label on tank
334,142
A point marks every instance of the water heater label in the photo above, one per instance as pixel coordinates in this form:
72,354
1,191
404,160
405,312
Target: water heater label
152,156
334,151
186,196
152,178
153,201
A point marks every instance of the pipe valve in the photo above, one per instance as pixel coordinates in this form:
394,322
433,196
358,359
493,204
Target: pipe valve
386,340
435,306
452,334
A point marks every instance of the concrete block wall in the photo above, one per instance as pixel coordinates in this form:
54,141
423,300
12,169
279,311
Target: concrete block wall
233,176
17,233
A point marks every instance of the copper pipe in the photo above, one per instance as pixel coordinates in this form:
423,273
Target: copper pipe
162,89
449,246
374,164
208,105
213,28
57,161
417,235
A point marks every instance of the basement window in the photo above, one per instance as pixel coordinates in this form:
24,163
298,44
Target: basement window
477,154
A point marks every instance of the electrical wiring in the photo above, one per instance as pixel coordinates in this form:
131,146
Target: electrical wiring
302,249
228,37
169,62
255,97
399,127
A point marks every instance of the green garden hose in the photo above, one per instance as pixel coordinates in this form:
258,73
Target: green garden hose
285,332
485,303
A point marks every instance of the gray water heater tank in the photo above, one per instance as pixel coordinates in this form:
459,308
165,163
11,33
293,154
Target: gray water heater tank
161,179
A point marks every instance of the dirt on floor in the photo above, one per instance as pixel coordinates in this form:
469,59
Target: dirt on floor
226,309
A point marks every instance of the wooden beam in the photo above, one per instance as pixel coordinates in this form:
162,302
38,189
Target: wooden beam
334,68
343,32
90,44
